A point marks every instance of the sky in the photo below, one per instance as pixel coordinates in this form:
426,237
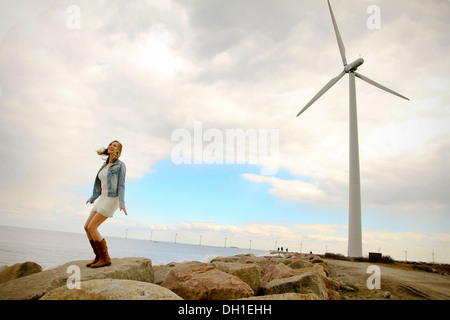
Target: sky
179,82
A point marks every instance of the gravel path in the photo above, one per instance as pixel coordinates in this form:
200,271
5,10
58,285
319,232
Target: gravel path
396,284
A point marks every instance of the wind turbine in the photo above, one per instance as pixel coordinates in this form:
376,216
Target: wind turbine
354,220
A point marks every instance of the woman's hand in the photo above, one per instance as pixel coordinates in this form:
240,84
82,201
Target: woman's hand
124,210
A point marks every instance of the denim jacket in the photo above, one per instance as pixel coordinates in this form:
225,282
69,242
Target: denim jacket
116,182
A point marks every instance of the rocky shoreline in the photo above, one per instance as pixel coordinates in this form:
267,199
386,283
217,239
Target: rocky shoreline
279,276
286,276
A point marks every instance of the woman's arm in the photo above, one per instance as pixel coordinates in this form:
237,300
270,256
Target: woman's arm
121,187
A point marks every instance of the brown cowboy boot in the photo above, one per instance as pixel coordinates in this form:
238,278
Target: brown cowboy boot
96,254
102,251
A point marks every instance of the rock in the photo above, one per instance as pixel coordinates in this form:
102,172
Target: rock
239,258
319,268
348,287
19,270
331,284
201,281
249,273
273,271
387,295
161,273
315,268
222,259
333,295
300,263
285,296
310,282
254,260
112,289
317,259
324,266
36,285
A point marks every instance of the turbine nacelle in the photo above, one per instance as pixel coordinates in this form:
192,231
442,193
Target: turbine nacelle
354,65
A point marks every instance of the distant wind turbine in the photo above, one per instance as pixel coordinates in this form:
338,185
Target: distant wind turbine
354,220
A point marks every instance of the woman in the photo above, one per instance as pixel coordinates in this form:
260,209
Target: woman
110,185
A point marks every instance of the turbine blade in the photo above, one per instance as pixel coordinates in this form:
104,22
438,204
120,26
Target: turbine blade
379,85
338,36
331,83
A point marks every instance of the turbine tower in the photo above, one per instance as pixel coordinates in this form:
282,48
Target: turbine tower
354,219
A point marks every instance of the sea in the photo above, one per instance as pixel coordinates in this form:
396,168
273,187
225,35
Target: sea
50,249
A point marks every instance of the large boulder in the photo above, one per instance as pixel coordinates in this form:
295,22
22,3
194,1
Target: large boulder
315,268
34,286
238,258
201,281
300,263
320,269
19,270
249,273
273,271
161,272
310,282
112,289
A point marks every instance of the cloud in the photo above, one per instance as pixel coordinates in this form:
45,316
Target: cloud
394,237
324,233
218,27
257,229
320,228
209,226
442,238
295,190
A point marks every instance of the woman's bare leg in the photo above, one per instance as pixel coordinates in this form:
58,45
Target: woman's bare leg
94,223
87,224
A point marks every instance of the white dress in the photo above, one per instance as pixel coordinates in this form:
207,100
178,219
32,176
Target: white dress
106,206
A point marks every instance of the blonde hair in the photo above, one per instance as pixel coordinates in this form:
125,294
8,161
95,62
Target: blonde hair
113,156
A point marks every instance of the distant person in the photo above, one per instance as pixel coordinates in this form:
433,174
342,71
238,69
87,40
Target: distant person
109,185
